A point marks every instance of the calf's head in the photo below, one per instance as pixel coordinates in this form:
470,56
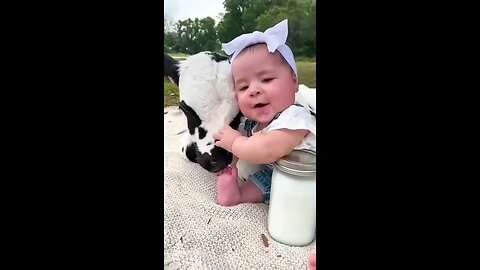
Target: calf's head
207,99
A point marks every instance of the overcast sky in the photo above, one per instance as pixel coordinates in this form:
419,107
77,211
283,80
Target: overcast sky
183,9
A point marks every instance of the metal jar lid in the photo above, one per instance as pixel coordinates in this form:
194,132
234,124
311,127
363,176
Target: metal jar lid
298,162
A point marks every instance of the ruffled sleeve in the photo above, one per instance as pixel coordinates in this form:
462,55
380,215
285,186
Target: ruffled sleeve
294,118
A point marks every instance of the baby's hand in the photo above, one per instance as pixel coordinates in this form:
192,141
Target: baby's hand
225,137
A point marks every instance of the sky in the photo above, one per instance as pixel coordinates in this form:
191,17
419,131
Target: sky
183,9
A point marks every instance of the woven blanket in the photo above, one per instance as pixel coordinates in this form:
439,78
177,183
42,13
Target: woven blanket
199,233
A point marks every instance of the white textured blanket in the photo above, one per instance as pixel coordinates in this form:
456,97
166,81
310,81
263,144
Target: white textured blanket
199,233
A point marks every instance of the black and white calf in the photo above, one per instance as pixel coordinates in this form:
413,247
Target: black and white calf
208,101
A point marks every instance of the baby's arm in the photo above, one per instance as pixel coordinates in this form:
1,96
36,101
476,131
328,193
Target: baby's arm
269,147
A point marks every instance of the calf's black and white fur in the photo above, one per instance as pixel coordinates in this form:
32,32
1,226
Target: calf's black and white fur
208,101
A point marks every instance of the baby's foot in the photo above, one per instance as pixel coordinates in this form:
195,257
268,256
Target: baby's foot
228,191
312,262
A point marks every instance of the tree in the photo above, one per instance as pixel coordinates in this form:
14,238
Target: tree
208,36
194,36
168,24
301,25
239,17
242,16
168,34
271,18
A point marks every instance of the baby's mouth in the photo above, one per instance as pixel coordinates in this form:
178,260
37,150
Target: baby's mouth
260,105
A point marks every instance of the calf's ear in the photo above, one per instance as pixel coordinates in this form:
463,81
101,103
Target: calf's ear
170,68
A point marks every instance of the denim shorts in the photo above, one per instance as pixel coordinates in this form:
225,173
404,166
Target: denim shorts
263,180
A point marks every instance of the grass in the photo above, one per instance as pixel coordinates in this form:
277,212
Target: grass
178,56
171,97
306,75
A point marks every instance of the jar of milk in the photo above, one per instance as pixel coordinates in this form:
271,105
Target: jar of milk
292,211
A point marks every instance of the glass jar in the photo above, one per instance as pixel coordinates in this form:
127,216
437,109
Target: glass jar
292,211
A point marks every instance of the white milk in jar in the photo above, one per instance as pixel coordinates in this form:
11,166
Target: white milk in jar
292,211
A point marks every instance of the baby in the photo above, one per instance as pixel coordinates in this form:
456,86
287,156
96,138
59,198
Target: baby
265,81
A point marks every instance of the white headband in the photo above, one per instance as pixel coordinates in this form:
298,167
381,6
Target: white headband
274,37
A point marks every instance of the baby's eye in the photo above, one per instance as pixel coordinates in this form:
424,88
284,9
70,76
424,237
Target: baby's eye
243,88
267,80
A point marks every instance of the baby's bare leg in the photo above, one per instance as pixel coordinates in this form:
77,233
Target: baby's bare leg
250,193
230,193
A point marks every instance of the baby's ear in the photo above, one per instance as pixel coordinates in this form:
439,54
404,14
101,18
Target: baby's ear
295,79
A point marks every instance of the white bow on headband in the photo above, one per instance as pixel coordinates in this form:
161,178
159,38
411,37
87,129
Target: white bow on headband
274,37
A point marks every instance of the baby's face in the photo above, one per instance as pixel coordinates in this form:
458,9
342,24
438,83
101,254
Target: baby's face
264,83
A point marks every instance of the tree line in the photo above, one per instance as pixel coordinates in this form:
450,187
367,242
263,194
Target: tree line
243,16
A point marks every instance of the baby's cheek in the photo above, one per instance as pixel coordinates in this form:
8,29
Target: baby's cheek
242,105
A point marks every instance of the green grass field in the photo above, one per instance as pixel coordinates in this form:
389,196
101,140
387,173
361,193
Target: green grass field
178,56
306,74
